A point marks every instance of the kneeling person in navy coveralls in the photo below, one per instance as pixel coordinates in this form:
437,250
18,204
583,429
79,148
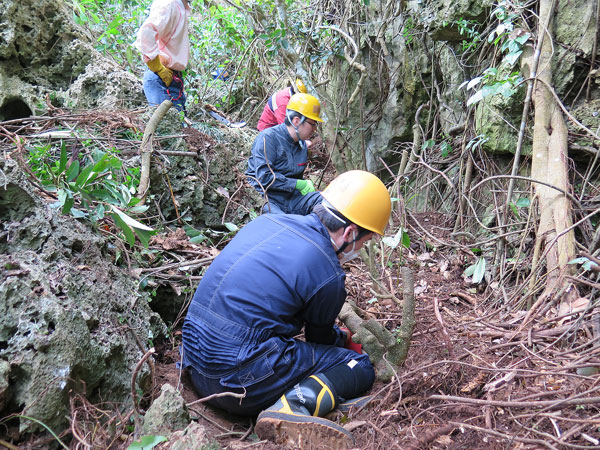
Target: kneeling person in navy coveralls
280,274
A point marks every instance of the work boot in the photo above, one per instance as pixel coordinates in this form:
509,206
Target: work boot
295,419
354,403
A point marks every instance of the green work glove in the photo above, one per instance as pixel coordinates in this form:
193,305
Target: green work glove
305,186
163,72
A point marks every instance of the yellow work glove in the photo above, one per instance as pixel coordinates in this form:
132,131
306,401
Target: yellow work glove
163,72
305,186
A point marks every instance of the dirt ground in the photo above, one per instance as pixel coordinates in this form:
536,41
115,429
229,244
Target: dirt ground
479,374
504,389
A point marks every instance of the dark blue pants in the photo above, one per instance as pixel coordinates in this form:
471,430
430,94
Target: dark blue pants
264,381
156,91
294,203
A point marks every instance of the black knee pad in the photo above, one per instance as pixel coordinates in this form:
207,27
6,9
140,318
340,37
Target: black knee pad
351,379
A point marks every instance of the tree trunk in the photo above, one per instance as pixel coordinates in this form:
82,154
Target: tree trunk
550,164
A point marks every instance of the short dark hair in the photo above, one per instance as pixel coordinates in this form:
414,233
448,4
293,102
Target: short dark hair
333,219
289,115
327,217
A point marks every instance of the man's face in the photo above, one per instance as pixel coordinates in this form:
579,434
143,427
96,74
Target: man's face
307,129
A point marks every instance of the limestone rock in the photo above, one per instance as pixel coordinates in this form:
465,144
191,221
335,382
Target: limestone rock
67,313
167,413
192,438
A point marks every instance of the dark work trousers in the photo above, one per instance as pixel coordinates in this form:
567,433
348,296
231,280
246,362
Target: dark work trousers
264,380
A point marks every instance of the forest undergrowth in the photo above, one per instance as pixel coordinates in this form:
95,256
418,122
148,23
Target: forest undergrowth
481,372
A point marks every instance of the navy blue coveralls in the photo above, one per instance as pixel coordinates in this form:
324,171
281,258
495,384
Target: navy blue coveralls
280,273
287,160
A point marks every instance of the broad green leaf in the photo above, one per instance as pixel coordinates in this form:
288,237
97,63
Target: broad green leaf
146,443
479,271
523,202
191,231
523,38
475,98
197,239
63,158
62,197
138,209
231,226
98,212
429,143
144,236
401,236
514,209
512,57
405,239
586,263
127,231
84,175
114,162
126,194
445,148
104,196
492,89
101,164
130,221
116,195
78,214
72,171
474,82
69,202
65,200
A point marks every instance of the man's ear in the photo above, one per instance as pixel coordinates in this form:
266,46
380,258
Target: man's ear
349,232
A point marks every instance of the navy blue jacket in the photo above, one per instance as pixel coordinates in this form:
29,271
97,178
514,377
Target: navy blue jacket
286,158
278,274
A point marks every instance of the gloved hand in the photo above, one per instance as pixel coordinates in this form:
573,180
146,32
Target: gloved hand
163,72
305,186
350,344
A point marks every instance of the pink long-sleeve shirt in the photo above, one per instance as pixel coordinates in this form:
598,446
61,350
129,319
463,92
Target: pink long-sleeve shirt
165,33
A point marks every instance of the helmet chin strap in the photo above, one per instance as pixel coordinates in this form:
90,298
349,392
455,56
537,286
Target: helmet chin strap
361,234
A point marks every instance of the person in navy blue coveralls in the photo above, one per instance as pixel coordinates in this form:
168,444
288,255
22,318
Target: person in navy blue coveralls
279,156
279,275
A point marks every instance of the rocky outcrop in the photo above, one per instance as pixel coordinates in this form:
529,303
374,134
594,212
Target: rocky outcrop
419,52
45,57
71,321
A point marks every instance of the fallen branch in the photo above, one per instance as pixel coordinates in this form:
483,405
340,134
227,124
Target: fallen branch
430,436
210,397
138,366
549,404
146,148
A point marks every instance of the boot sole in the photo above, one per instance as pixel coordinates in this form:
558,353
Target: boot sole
304,432
355,403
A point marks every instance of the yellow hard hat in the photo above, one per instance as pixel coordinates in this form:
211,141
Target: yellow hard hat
307,105
300,87
362,198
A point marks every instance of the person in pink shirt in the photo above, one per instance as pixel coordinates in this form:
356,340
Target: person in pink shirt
165,46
